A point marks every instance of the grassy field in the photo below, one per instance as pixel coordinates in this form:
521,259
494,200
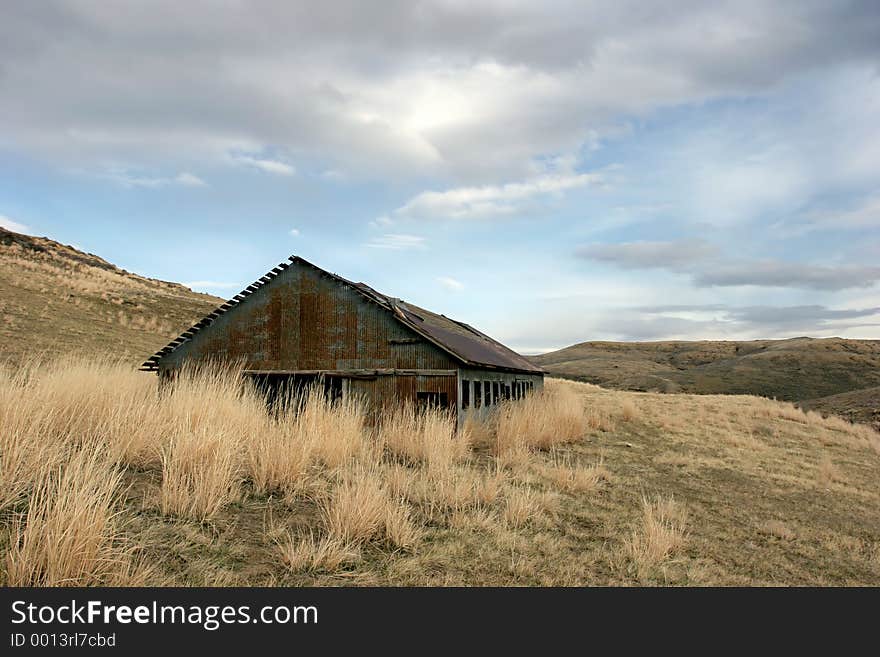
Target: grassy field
57,300
104,481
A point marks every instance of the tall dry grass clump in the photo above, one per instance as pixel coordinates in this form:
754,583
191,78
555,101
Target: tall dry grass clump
76,399
307,430
361,508
521,506
26,452
208,416
440,493
279,457
317,554
425,435
69,535
200,473
827,473
358,507
661,534
540,420
336,429
567,475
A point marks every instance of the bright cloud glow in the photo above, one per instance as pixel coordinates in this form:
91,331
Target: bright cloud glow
490,200
132,180
397,242
266,165
450,283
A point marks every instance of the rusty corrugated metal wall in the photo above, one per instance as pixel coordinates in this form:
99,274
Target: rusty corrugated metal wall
303,320
384,391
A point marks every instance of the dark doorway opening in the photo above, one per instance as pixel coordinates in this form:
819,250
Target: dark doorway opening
281,390
432,399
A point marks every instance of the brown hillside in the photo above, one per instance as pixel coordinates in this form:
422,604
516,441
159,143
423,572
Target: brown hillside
856,406
795,369
55,299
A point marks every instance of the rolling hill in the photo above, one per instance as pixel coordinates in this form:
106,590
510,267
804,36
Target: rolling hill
856,406
55,299
798,369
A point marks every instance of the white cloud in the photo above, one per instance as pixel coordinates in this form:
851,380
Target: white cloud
474,91
381,222
189,180
293,232
267,165
14,226
333,174
450,283
491,200
397,242
129,179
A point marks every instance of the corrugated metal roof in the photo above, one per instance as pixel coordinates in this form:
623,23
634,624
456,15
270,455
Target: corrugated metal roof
460,340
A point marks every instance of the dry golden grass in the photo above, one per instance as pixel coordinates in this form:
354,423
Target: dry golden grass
69,536
313,554
358,508
401,531
827,473
521,506
541,420
279,457
571,477
200,474
778,529
424,435
336,431
661,534
628,410
95,461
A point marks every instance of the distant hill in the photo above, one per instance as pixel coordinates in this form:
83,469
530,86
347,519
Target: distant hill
794,370
55,299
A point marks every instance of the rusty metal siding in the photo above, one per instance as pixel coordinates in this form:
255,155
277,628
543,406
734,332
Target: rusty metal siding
384,391
302,320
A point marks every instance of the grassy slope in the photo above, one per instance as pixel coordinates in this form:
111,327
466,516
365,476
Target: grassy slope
857,406
55,299
796,369
771,496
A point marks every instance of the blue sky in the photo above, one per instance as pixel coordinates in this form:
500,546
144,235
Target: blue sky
549,172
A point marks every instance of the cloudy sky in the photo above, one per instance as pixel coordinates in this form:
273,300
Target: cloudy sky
550,172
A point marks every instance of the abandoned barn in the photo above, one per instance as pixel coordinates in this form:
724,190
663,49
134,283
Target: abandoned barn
300,325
